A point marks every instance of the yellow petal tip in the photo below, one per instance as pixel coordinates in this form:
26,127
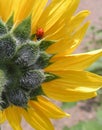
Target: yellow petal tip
67,115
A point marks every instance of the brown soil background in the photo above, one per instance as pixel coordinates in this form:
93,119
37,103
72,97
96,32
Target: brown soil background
77,114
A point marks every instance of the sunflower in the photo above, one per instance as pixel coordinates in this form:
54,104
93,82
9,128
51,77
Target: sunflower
37,41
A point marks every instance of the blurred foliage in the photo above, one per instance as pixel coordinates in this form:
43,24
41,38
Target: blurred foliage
66,105
95,124
95,41
96,67
94,37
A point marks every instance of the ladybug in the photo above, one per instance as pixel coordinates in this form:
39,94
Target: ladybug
39,33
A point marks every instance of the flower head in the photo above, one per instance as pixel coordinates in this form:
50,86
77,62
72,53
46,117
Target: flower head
36,61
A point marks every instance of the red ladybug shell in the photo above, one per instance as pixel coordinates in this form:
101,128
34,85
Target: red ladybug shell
39,33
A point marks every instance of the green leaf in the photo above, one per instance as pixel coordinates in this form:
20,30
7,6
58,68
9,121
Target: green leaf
22,31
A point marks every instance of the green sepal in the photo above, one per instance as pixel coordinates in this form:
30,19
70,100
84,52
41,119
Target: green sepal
32,36
43,60
22,31
7,47
45,44
10,22
50,76
3,29
34,93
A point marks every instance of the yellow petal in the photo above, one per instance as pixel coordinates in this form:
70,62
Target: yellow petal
69,44
54,12
61,25
78,37
67,95
77,20
6,8
22,8
2,117
37,119
74,61
70,79
65,26
37,11
13,117
31,120
49,108
58,31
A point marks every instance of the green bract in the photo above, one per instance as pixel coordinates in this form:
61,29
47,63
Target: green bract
21,64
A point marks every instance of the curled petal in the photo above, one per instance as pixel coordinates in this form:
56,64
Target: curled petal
77,78
74,61
70,43
48,108
67,95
